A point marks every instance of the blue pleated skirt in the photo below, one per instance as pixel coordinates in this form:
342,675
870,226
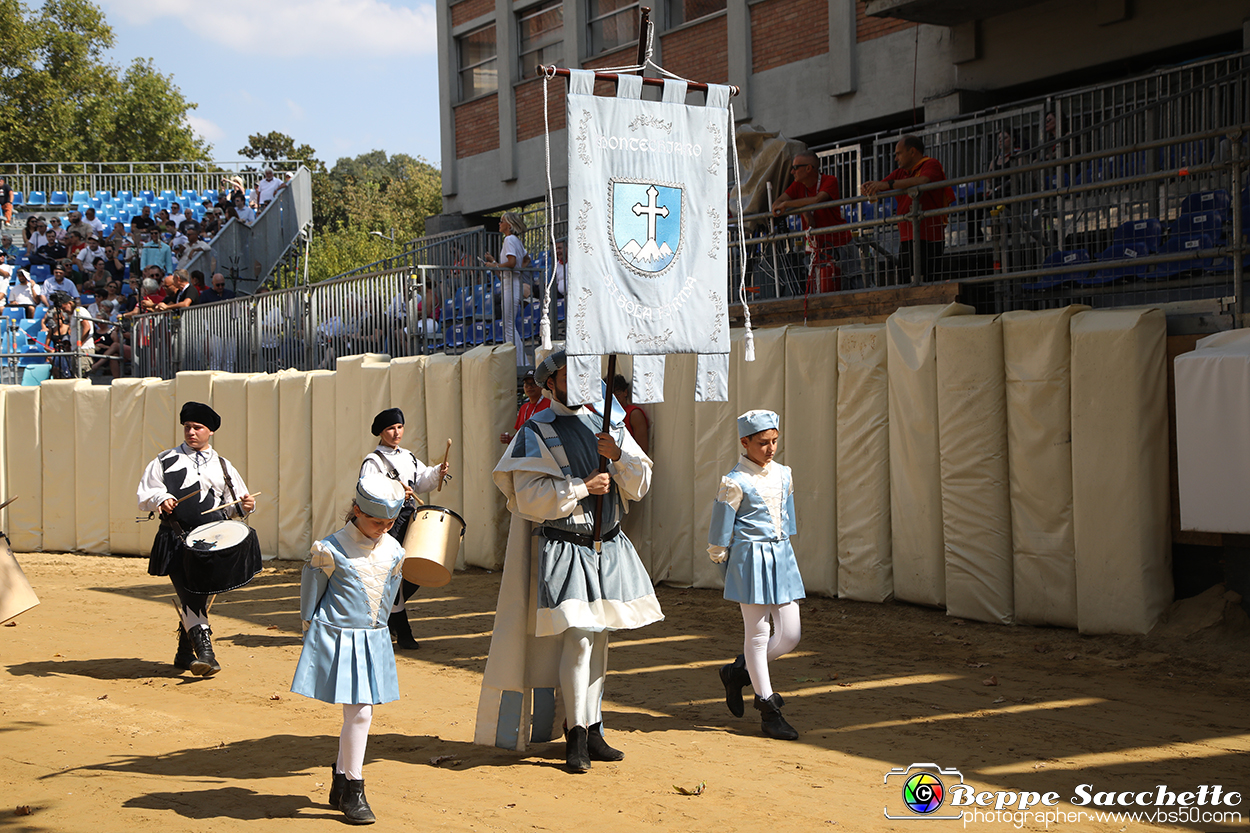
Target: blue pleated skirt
762,573
347,665
604,591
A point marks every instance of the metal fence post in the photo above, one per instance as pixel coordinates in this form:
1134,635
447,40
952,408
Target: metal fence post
1239,304
914,219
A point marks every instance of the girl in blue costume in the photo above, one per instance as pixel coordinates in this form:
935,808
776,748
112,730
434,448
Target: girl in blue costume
752,521
345,598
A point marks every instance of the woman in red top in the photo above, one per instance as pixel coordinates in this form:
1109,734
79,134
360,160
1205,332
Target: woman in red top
635,417
534,402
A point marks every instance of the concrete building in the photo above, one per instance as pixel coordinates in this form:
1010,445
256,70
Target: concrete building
815,70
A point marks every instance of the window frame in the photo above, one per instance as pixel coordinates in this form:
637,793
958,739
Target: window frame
533,10
671,4
462,68
591,20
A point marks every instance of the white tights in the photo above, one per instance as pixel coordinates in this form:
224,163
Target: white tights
759,649
583,664
352,740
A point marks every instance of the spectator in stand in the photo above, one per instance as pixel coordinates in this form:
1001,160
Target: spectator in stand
97,225
76,224
88,255
97,278
26,294
172,236
32,228
56,330
809,188
516,288
74,244
211,224
179,293
245,215
114,263
176,214
197,283
230,186
144,222
60,282
193,247
10,250
153,251
914,168
534,402
54,228
267,188
36,236
117,236
162,218
216,291
635,417
50,253
6,200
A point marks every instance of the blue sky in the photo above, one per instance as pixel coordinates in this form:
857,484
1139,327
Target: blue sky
344,76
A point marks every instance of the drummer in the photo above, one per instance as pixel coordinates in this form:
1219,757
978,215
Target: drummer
402,465
183,483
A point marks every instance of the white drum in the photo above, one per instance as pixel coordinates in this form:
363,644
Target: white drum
217,536
431,545
16,595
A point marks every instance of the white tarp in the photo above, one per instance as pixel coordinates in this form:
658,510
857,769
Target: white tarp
57,429
126,464
1212,440
1121,510
24,459
91,448
295,449
919,554
976,503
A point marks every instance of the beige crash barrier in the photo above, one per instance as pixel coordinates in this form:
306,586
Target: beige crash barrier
92,451
57,428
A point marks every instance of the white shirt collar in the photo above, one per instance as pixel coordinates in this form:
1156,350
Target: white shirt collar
751,467
565,410
360,539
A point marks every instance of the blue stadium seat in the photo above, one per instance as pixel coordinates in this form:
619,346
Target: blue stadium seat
16,199
209,194
168,195
1206,201
104,196
16,313
36,198
498,332
1115,273
40,272
479,333
33,375
464,302
1184,243
1144,235
40,312
96,203
455,336
59,198
190,197
148,197
560,309
449,311
80,198
1201,222
1060,258
124,196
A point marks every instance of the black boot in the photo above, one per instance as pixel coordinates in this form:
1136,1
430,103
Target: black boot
401,630
186,651
735,677
353,803
205,662
598,748
771,721
576,753
337,780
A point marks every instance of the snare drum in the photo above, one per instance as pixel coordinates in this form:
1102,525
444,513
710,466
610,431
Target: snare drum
431,545
220,556
16,595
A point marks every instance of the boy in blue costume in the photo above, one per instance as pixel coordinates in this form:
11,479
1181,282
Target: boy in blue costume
752,521
345,599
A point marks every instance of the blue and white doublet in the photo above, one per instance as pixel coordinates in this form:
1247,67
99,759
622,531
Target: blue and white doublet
345,596
753,517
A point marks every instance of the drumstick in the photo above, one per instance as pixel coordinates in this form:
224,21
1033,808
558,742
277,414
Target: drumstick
231,503
446,457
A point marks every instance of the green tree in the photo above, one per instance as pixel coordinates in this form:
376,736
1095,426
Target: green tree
62,101
275,147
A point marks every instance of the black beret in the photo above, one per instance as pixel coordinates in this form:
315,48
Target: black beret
201,413
387,418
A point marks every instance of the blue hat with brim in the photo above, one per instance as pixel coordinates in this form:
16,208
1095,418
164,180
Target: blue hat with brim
752,422
378,496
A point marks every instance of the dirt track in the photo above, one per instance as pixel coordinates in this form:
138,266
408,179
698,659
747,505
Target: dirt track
100,733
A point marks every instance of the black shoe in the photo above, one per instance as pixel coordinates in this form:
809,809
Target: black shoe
186,651
576,751
735,677
771,721
337,780
205,662
353,803
397,622
598,748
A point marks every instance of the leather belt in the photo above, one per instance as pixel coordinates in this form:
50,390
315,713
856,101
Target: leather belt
554,534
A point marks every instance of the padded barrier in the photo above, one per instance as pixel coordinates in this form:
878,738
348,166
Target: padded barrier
673,535
1038,357
330,498
444,419
488,376
23,441
408,394
714,451
919,554
263,459
160,431
809,436
57,428
293,491
1212,444
865,571
1121,514
4,472
126,464
231,439
976,503
91,448
196,386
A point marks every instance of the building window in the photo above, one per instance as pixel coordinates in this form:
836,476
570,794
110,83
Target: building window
541,36
613,23
684,11
479,70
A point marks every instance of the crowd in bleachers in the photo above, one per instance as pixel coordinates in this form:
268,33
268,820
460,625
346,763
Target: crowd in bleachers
72,279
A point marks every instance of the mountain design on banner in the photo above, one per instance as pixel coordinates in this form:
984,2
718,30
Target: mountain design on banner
646,225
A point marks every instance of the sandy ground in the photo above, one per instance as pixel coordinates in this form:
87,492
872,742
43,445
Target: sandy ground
100,733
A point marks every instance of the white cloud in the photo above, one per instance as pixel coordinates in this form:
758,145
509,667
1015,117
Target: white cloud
296,111
336,30
206,128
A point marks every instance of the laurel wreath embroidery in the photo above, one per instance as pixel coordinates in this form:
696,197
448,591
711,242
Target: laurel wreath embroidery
650,377
582,242
646,120
715,215
583,138
717,143
644,339
582,333
719,306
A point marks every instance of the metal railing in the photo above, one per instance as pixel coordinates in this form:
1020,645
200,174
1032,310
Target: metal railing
176,176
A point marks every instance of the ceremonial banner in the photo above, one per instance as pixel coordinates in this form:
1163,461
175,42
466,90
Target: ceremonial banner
648,266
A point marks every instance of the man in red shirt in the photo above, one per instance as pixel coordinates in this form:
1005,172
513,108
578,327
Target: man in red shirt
534,402
914,168
809,188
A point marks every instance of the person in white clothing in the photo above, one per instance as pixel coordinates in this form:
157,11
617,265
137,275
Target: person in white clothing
25,293
401,465
516,290
267,188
